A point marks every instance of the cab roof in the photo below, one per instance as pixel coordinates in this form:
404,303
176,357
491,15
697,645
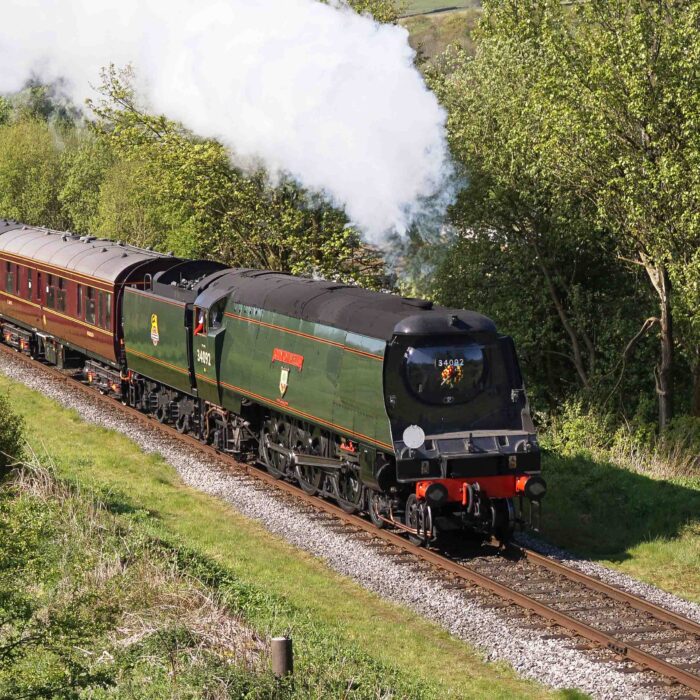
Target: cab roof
349,308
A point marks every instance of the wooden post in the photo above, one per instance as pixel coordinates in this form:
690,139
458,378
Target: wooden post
282,656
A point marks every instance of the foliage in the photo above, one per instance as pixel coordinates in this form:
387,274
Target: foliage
11,435
382,10
574,128
30,173
5,110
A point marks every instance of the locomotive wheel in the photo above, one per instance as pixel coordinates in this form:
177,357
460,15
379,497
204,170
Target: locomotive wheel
374,505
274,461
349,491
412,519
183,424
502,519
309,478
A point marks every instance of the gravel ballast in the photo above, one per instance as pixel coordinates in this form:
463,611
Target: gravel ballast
550,661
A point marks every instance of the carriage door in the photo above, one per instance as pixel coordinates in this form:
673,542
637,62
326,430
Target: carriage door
207,342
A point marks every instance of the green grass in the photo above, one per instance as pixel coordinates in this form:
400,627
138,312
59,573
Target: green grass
339,628
412,7
430,34
646,527
93,608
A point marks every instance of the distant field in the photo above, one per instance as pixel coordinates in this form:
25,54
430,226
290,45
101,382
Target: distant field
431,34
415,7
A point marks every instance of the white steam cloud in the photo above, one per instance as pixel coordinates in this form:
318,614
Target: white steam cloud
313,90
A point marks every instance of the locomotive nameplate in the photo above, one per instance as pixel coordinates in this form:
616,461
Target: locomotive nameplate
288,358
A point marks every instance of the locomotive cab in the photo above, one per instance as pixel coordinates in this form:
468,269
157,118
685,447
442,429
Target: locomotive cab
464,441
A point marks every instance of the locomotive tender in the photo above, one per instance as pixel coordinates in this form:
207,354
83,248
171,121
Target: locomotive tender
414,413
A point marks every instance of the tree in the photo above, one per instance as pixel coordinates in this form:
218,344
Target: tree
382,10
31,173
607,124
174,191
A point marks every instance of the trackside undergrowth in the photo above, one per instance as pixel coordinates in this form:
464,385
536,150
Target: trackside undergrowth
348,642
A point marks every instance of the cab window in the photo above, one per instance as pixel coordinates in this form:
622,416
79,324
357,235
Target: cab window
200,322
216,315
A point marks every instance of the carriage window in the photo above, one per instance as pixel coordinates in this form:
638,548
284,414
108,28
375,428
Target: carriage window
37,291
79,302
18,276
100,308
61,294
90,305
50,292
108,310
9,278
104,312
29,283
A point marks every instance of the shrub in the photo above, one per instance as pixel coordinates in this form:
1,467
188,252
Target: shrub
11,435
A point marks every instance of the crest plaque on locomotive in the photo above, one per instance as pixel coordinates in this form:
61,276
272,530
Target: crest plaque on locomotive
155,336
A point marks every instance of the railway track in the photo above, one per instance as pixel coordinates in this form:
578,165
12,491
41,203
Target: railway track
571,605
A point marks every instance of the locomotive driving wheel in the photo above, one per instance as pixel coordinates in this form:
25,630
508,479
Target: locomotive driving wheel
309,478
348,490
274,461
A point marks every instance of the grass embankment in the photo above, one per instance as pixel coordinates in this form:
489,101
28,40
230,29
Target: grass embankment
413,7
645,526
92,606
431,34
348,642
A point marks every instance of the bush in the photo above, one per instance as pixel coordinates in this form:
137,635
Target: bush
578,429
11,435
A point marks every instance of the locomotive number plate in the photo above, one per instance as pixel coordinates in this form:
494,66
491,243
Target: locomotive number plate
203,357
450,362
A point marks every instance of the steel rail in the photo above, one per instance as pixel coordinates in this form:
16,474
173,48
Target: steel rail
608,641
634,601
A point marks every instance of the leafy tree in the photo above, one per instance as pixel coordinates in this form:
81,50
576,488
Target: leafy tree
5,110
594,111
174,191
31,173
382,10
85,170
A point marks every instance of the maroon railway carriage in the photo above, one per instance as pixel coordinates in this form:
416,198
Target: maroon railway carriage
60,293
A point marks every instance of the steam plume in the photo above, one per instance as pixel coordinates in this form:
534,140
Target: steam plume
314,90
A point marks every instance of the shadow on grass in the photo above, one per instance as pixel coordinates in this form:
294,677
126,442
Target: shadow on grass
600,510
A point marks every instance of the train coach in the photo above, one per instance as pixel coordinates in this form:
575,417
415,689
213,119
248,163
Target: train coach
413,413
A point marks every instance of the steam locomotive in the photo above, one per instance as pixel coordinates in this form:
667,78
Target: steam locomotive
412,413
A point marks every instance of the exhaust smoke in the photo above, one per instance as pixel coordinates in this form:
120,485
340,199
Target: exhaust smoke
309,89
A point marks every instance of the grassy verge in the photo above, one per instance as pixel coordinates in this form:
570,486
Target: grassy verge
90,606
645,526
431,34
349,643
413,7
